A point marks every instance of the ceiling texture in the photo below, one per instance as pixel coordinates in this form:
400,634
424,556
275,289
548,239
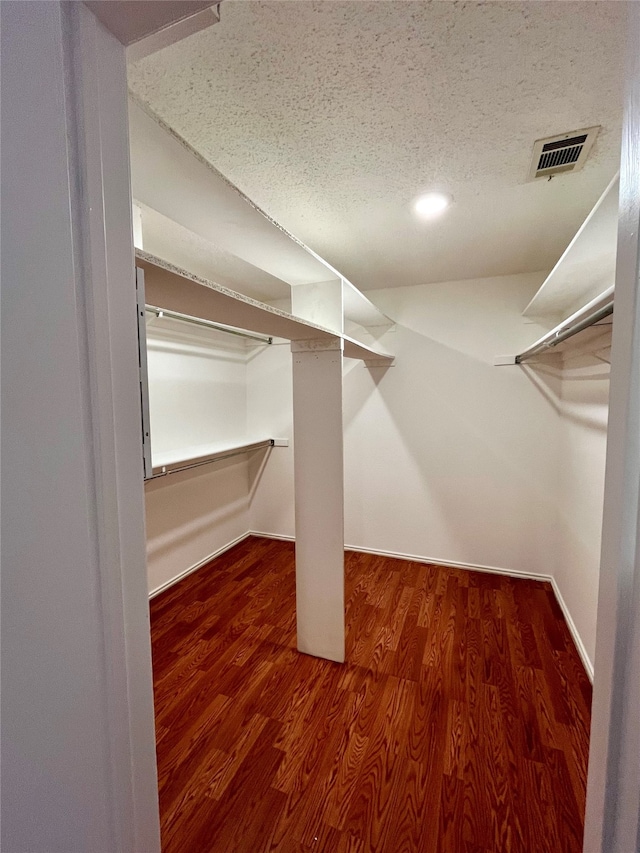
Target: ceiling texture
334,116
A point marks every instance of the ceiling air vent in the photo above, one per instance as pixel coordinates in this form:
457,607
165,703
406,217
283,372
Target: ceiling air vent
566,152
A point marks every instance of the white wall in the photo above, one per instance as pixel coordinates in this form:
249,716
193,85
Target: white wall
197,387
447,456
270,409
193,515
197,399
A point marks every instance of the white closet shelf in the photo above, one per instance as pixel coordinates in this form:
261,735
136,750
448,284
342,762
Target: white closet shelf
174,289
359,309
587,267
193,204
193,457
181,247
356,349
171,177
596,312
165,238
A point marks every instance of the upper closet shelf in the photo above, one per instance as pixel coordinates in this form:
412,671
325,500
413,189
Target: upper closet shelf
360,310
174,289
183,192
162,237
373,357
597,311
587,267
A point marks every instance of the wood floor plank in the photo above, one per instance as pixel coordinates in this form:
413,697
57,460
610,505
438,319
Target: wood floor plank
541,833
459,724
369,812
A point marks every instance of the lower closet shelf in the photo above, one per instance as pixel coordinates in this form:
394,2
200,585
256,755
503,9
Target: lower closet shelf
167,463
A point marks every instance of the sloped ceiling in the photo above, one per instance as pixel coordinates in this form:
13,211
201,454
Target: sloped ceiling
333,116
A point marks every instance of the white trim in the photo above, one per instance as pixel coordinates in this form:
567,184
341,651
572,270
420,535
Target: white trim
102,217
612,817
577,639
172,581
172,32
473,567
493,570
281,537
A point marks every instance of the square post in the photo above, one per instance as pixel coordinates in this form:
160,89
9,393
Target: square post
319,497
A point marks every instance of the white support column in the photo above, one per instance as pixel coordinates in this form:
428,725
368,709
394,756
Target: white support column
319,502
321,303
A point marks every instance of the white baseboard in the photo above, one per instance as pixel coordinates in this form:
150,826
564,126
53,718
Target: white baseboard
198,565
495,570
584,657
279,536
474,567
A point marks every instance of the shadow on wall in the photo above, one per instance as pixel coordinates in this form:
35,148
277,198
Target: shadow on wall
360,382
184,507
257,462
583,394
269,412
465,449
173,336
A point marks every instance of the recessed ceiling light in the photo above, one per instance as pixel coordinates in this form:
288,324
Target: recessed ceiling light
430,205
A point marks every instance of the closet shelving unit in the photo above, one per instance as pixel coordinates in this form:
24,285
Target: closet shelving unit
597,311
221,228
579,292
173,289
239,247
317,403
207,303
172,462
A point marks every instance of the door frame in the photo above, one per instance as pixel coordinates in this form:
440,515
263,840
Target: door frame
613,793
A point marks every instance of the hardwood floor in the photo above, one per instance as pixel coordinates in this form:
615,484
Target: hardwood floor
460,723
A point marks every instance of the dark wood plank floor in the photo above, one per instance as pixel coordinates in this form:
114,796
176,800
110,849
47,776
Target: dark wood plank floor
459,724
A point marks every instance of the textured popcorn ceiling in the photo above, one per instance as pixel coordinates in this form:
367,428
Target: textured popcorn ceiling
332,116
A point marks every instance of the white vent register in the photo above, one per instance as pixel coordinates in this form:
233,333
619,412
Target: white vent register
566,152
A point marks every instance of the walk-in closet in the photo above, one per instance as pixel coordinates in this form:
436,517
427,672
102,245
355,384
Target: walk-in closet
457,424
345,413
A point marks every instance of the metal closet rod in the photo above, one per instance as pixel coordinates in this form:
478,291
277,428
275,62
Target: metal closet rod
207,324
592,313
212,457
